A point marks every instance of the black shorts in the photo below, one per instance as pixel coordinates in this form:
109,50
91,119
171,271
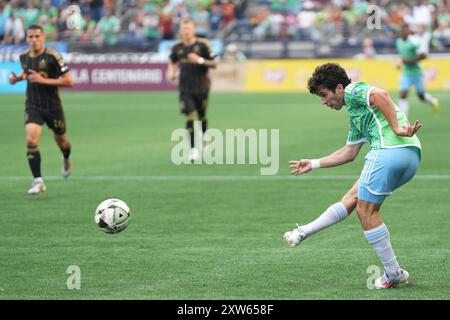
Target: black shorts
190,102
54,119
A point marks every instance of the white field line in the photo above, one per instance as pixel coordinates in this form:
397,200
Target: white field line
216,178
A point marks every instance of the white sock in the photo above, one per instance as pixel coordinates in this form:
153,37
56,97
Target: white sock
379,239
428,98
403,105
334,214
38,179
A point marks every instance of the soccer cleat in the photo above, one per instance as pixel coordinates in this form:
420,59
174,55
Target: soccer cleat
294,237
385,281
436,108
194,154
37,187
66,169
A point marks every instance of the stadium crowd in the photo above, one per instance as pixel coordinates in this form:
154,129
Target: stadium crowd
112,22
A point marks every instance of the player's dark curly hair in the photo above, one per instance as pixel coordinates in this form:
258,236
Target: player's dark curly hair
328,76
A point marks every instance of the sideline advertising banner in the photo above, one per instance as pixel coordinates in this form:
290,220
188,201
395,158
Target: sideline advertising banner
292,75
120,77
5,71
228,77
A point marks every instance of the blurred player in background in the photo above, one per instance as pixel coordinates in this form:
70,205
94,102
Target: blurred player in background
391,162
192,57
412,50
45,71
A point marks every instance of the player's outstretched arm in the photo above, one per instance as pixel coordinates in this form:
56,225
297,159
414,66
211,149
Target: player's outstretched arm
381,100
13,78
345,154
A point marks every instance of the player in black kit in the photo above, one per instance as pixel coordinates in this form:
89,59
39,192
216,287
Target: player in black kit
45,71
193,57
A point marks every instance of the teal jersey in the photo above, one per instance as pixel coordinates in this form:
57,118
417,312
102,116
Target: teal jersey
368,124
408,50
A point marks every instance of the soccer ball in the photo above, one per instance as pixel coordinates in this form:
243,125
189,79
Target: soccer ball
112,215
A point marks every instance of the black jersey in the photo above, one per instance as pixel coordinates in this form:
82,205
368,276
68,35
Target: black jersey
194,77
49,64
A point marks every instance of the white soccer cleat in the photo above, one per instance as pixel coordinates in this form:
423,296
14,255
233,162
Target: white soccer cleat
294,237
37,187
66,168
385,281
194,155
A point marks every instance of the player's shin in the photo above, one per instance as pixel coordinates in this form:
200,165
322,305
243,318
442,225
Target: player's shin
66,150
334,214
190,129
380,241
204,125
403,105
34,160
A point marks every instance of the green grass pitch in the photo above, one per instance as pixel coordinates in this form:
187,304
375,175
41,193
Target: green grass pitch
209,231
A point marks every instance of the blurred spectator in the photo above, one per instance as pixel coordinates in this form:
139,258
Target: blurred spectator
215,19
201,20
50,29
30,15
88,26
369,51
166,24
276,20
306,19
233,54
151,23
108,28
3,18
96,9
50,12
14,29
228,11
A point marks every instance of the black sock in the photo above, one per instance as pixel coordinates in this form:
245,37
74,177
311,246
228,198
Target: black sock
204,125
66,151
190,128
34,160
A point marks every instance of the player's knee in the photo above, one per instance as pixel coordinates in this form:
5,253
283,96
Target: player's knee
366,210
32,141
349,201
63,143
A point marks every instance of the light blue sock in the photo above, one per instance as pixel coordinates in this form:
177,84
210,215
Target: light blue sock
334,214
379,239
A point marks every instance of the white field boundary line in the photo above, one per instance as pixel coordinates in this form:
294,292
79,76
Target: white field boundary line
432,177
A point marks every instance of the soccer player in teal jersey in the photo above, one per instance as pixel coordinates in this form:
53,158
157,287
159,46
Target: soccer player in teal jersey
408,48
392,161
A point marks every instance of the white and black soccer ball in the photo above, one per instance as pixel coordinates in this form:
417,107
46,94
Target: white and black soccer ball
112,216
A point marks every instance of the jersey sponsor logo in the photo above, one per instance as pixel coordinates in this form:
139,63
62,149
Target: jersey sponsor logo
42,64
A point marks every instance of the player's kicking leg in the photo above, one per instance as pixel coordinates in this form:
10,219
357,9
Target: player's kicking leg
64,145
334,214
426,97
33,132
432,101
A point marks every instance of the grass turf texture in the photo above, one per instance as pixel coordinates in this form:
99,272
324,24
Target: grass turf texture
211,238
